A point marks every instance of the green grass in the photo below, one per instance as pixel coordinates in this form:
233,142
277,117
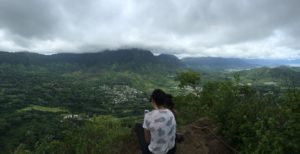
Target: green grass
43,109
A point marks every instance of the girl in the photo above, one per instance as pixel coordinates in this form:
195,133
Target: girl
158,132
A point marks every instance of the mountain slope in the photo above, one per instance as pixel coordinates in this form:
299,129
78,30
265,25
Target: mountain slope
281,75
220,64
123,59
216,63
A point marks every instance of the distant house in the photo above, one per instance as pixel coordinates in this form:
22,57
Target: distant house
271,83
72,116
269,93
191,90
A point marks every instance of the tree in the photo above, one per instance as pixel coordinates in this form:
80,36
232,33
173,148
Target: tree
188,78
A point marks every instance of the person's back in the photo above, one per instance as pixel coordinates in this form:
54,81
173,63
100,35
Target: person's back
162,126
157,134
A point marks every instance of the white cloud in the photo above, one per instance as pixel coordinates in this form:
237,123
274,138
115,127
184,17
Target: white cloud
6,44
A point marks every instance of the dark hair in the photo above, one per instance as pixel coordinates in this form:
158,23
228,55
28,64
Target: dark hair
158,96
169,101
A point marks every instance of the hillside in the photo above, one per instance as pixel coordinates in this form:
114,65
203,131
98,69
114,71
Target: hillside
279,75
212,64
216,63
137,60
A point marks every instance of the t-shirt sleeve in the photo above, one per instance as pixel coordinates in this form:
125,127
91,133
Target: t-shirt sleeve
146,121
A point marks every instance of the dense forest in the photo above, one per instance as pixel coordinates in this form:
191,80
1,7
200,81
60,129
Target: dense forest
87,103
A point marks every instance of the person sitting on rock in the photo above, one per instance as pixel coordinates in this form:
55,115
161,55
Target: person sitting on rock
158,132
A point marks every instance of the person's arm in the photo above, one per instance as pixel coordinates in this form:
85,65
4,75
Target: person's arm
147,136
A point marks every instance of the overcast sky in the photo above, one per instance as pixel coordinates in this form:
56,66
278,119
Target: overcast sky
226,28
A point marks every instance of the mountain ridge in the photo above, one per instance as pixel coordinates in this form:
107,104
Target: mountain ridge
138,59
122,59
220,63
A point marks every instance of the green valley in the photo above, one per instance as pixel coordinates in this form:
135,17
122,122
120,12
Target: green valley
88,103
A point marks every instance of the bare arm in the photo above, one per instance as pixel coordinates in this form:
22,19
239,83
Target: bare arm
147,136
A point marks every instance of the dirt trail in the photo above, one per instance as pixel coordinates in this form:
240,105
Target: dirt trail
199,138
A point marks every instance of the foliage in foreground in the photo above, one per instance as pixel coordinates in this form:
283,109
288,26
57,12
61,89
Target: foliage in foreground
252,120
102,134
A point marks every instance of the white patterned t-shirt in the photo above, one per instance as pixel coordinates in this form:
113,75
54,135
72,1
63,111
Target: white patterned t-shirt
162,126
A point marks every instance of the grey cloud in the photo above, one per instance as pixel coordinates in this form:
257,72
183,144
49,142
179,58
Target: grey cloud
191,28
30,18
